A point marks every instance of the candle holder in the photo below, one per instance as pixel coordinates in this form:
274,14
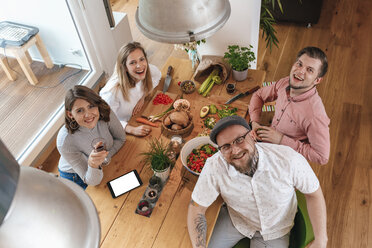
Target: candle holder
144,208
152,194
155,183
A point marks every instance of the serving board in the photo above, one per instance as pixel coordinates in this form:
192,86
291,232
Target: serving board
152,109
216,100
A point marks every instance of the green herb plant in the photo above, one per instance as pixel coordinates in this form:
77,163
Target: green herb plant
157,156
239,58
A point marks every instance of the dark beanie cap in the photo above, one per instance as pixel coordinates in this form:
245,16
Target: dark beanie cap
225,122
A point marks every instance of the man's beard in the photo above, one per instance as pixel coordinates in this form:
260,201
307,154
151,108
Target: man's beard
296,87
246,167
291,86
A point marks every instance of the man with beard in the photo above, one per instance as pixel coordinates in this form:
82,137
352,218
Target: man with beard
257,183
300,119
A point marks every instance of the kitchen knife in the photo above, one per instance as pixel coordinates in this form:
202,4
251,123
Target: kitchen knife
168,79
250,91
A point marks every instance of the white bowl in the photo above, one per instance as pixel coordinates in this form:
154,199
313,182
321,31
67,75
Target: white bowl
192,144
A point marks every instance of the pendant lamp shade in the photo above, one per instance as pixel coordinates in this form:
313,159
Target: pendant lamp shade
39,210
181,21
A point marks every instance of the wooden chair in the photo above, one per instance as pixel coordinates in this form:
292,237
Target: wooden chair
302,231
20,52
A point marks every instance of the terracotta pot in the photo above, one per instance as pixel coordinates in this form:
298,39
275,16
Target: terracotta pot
240,75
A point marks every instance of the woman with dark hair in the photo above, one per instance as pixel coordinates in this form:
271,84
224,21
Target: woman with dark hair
89,125
133,79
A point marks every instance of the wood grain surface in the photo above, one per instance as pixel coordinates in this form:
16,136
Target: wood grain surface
344,32
120,225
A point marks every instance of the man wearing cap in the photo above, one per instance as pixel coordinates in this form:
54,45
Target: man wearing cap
257,183
300,120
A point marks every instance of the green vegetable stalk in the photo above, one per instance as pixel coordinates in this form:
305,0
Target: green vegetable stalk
156,117
215,79
208,83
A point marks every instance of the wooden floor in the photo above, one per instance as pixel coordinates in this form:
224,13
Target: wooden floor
24,107
344,32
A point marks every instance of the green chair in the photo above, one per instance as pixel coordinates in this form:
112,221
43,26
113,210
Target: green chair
302,232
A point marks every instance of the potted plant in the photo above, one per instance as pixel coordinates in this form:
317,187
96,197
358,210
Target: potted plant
240,59
158,159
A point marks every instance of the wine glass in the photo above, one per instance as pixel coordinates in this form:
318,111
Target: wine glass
99,144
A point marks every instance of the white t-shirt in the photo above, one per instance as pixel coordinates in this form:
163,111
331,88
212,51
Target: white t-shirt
265,202
122,108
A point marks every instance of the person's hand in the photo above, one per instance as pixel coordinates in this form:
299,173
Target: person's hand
317,243
255,126
253,132
138,106
96,158
142,130
253,135
269,134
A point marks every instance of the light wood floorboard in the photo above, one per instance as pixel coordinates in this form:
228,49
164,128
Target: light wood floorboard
24,107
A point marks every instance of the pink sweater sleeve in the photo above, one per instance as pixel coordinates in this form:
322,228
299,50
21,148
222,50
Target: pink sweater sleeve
318,148
261,96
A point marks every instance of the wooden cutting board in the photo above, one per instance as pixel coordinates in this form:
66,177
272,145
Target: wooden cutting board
216,100
152,109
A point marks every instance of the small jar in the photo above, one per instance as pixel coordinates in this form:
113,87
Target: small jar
230,88
176,143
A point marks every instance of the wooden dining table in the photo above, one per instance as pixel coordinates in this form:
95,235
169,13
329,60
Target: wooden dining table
167,225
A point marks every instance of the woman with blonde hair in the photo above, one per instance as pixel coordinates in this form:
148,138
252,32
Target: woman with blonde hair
92,134
133,79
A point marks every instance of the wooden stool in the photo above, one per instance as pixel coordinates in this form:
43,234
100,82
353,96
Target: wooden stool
24,59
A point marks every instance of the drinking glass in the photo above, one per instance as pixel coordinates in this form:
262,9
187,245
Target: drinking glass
99,144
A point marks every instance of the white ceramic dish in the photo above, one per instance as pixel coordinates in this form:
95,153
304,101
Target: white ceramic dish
190,145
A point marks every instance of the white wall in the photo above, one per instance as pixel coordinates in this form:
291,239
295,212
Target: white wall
55,24
242,29
107,41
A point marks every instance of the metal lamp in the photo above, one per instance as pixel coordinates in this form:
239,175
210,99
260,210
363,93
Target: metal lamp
39,210
181,21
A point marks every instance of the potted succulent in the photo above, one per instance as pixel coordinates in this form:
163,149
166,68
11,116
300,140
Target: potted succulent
240,59
157,157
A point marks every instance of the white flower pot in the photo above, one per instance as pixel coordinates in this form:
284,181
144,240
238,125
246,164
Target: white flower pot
163,174
240,75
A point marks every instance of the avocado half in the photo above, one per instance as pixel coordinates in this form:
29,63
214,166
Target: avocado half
204,111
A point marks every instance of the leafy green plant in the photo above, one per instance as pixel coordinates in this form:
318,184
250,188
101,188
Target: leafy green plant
157,156
267,21
240,58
